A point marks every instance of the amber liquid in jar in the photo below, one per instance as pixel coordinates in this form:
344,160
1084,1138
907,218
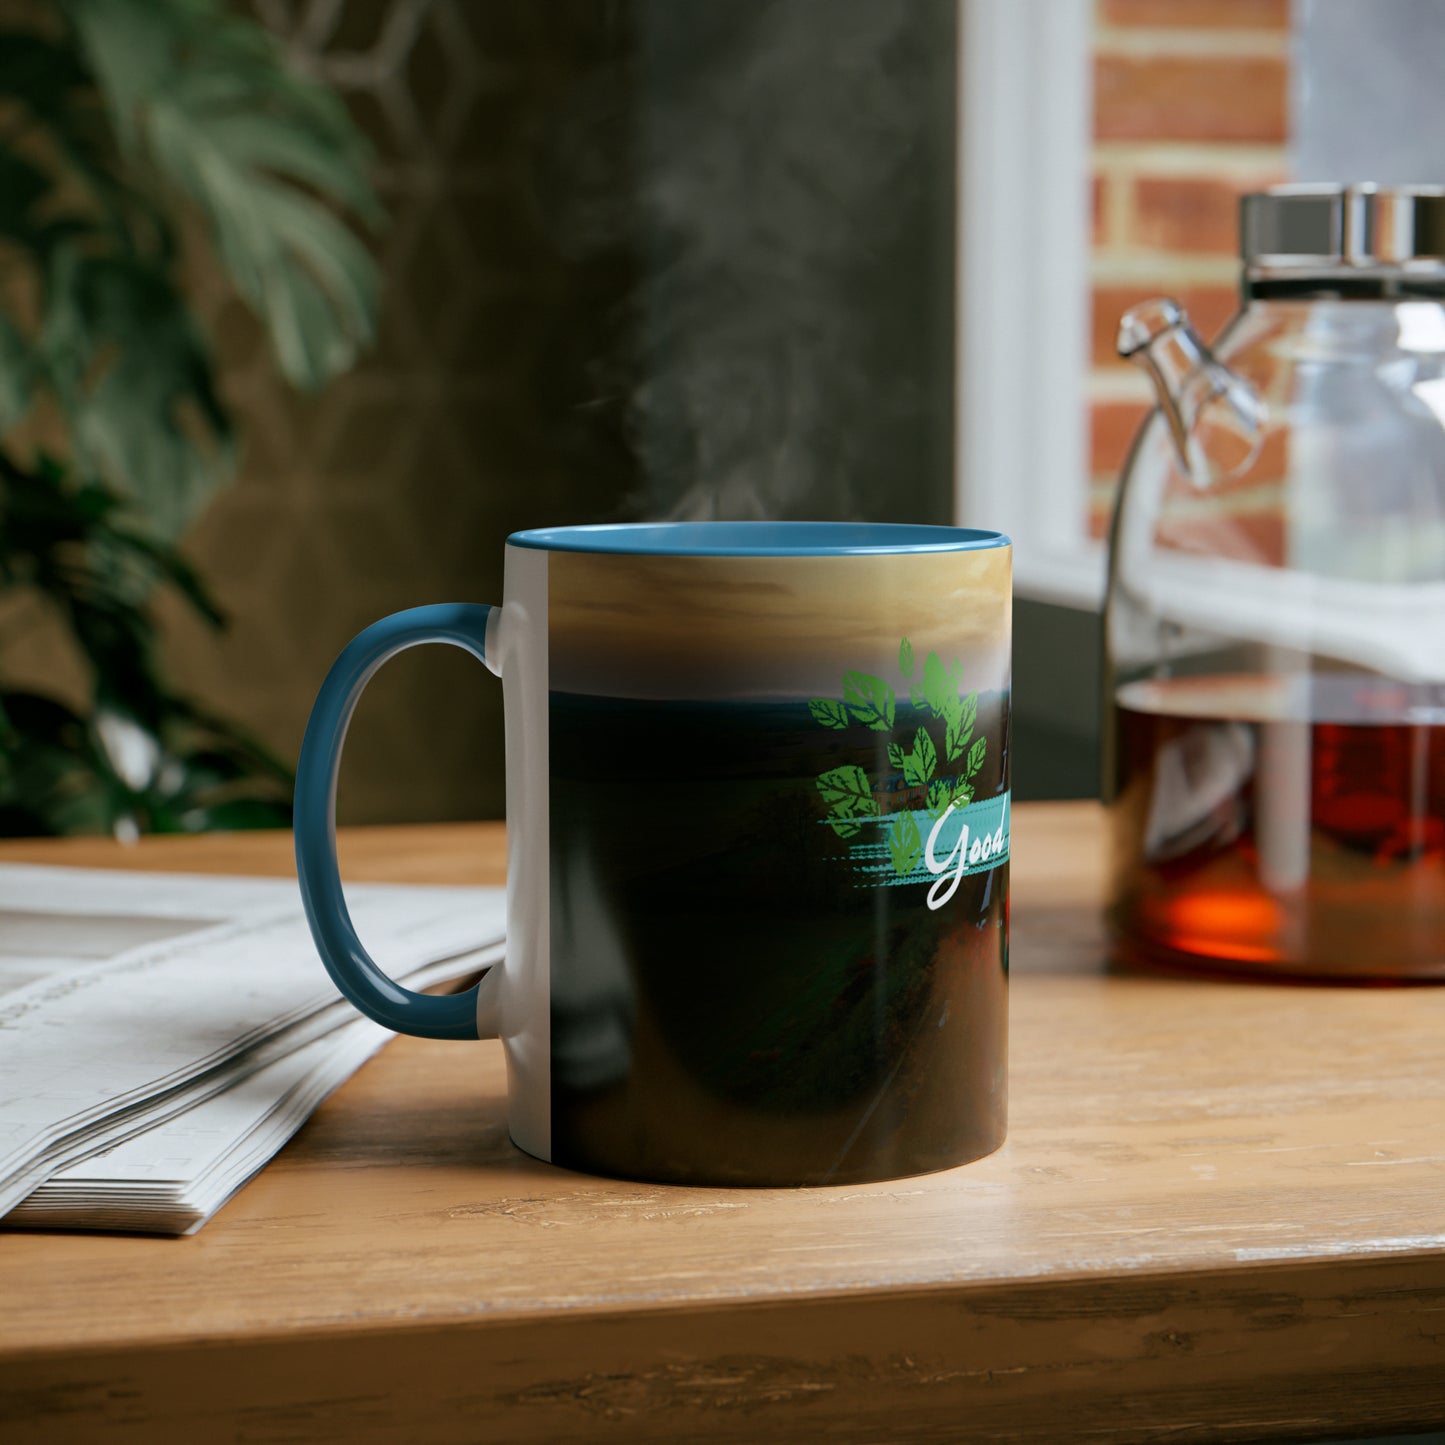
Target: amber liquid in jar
1281,825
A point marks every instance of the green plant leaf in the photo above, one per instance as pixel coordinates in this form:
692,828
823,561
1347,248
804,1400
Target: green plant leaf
39,73
905,844
946,791
205,98
937,689
69,542
118,115
869,699
970,710
22,187
16,374
955,738
843,826
847,793
135,382
171,567
51,779
896,756
976,755
905,658
321,305
828,712
921,764
962,714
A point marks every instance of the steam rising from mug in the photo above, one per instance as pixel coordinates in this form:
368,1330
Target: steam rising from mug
775,180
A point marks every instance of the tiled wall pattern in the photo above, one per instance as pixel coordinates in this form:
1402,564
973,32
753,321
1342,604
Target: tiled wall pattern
579,190
397,485
1191,110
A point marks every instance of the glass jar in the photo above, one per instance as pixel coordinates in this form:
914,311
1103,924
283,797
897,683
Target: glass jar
1275,624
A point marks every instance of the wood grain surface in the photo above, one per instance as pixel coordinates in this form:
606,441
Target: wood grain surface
1220,1214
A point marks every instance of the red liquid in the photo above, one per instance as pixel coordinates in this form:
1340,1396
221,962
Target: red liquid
1282,826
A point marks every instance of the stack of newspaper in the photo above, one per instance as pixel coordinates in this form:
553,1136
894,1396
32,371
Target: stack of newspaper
161,1036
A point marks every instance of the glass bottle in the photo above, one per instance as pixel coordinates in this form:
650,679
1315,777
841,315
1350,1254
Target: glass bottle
1275,623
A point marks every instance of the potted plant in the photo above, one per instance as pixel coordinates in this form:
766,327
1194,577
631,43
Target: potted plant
131,131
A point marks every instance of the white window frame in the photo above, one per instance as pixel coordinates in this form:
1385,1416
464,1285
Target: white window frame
1025,135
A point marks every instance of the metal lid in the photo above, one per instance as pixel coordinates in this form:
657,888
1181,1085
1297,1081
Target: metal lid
1329,227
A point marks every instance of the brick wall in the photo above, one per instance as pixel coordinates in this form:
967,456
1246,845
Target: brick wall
1190,110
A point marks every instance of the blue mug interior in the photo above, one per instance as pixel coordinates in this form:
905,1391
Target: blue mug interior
758,539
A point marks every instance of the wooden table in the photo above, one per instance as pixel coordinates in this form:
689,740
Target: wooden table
1220,1214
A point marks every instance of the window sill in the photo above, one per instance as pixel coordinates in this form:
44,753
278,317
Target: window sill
1072,577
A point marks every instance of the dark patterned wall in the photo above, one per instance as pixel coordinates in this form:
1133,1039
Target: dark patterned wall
397,486
644,257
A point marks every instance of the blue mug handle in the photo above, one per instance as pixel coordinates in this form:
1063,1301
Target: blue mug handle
450,1016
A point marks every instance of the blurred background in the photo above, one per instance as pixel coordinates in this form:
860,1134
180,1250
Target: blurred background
629,259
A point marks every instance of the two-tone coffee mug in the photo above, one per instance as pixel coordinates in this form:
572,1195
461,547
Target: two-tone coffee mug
757,847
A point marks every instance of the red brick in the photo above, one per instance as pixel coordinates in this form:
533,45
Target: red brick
1257,488
1101,515
1198,14
1268,469
1239,517
1245,536
1209,307
1096,208
1189,213
1112,427
1190,98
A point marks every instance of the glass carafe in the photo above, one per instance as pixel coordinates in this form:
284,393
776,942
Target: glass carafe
1275,627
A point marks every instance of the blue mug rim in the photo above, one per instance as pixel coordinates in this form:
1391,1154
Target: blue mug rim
757,539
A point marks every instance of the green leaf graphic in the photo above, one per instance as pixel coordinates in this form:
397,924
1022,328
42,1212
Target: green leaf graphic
970,710
869,699
847,793
937,688
975,755
961,717
921,764
871,702
905,844
955,737
828,712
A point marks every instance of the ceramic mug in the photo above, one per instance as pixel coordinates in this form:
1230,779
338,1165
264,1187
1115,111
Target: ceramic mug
757,847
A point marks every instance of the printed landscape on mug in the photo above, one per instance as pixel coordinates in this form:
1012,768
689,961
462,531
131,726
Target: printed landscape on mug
791,772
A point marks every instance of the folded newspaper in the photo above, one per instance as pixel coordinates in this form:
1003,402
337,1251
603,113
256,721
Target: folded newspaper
162,1035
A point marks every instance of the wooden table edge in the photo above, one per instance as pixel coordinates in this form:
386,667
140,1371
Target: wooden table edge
1188,1277
1297,1344
1016,1360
